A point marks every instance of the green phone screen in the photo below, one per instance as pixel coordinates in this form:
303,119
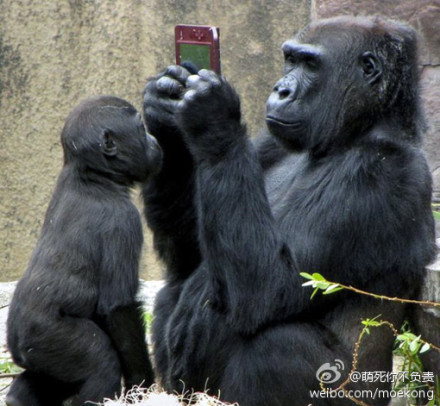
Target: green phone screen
197,54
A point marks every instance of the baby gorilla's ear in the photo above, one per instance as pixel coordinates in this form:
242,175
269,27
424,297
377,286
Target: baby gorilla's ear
108,146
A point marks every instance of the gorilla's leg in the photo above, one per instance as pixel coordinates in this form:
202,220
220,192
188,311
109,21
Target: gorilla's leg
33,389
77,356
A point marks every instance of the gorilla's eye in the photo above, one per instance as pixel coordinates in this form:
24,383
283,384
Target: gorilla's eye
368,63
291,59
311,62
368,67
307,60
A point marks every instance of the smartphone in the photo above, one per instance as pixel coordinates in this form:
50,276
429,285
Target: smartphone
199,45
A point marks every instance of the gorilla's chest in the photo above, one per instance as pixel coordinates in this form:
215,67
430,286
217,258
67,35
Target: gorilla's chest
295,189
308,202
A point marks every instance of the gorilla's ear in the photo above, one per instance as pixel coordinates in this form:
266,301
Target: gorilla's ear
371,67
108,146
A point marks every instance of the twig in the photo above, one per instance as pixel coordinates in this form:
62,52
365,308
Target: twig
383,297
365,293
9,375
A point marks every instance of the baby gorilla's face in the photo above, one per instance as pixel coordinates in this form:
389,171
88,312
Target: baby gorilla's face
105,135
153,151
137,154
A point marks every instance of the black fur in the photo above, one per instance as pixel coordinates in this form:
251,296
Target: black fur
74,323
344,191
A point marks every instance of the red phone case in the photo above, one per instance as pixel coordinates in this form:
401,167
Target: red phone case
199,35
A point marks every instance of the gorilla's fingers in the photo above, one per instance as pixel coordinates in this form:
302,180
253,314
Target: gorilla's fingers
178,72
194,82
169,86
189,95
210,76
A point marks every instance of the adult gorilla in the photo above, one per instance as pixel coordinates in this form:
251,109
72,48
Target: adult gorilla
343,190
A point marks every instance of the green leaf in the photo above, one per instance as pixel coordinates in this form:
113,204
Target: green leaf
436,215
308,283
148,321
372,322
306,275
314,293
318,277
322,285
407,336
8,367
414,346
425,347
332,289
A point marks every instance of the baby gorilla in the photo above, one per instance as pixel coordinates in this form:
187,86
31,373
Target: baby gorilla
74,324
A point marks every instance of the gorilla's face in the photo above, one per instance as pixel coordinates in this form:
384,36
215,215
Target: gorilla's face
330,90
290,107
106,135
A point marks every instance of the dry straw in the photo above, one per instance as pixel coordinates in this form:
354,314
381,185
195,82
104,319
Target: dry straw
155,397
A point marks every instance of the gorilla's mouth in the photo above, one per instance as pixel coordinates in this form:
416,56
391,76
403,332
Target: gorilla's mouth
275,120
291,134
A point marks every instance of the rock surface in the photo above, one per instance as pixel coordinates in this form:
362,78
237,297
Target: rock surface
55,53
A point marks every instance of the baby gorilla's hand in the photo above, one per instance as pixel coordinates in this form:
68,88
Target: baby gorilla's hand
209,114
161,97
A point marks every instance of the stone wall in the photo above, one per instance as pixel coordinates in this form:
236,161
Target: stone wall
55,53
